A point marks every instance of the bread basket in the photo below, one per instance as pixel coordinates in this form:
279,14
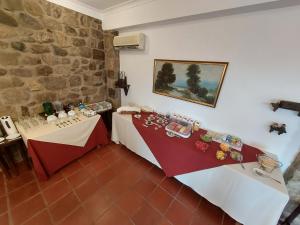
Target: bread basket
268,163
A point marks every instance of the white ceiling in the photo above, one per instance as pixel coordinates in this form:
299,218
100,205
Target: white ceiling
103,4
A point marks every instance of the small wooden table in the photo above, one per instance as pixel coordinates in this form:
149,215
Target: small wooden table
7,160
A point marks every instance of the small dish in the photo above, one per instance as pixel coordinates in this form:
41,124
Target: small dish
206,138
138,116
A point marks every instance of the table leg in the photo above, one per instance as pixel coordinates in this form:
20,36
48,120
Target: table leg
25,155
4,167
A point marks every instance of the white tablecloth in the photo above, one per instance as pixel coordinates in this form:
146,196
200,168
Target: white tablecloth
76,134
249,199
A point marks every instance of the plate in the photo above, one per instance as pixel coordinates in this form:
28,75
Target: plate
13,136
2,139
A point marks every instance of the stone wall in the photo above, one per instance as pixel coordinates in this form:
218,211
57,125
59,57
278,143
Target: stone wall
47,53
112,68
292,178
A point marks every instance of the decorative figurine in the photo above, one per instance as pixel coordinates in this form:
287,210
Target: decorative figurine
280,128
122,82
295,106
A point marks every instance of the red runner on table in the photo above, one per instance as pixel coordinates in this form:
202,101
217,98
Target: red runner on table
178,156
50,157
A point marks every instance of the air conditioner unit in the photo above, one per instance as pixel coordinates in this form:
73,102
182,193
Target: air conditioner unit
136,41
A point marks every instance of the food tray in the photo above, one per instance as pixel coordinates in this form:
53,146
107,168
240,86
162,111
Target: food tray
180,130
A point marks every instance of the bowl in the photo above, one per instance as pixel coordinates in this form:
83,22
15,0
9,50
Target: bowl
268,163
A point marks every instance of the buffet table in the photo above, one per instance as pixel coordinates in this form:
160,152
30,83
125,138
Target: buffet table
248,198
52,146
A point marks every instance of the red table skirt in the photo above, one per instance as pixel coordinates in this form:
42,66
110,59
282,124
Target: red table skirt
178,156
50,157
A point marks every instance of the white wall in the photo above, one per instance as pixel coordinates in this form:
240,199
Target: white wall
148,11
263,52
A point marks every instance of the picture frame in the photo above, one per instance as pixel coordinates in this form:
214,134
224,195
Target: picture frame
193,81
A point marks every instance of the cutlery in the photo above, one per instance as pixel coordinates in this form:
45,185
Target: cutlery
261,173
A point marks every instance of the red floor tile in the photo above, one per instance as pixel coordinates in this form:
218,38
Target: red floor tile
146,215
56,191
114,216
52,180
78,217
144,187
27,209
79,177
120,166
3,205
160,199
109,185
106,176
111,157
208,214
171,185
118,186
4,219
179,214
131,202
88,158
87,189
103,150
143,165
42,218
97,166
164,221
71,168
189,198
97,204
156,175
23,193
63,207
22,179
227,220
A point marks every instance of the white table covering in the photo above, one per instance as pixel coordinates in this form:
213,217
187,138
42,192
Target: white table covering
76,134
248,198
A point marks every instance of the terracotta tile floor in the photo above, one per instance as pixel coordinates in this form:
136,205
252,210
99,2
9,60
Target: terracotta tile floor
108,186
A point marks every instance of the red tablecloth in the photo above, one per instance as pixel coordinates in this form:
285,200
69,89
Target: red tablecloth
179,155
50,157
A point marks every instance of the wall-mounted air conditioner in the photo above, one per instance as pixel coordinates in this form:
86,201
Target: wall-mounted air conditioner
136,41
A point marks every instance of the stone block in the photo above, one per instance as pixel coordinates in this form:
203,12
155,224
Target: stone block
9,58
33,8
29,22
7,19
44,70
20,46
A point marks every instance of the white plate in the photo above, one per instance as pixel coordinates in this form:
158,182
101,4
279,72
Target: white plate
12,136
2,139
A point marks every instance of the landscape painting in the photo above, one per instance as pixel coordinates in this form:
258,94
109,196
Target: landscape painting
194,81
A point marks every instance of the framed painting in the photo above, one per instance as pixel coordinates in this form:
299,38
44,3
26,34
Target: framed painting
194,81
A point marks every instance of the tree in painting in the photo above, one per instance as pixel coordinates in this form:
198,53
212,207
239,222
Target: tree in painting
165,77
194,81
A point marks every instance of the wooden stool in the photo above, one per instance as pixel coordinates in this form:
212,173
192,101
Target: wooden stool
7,157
